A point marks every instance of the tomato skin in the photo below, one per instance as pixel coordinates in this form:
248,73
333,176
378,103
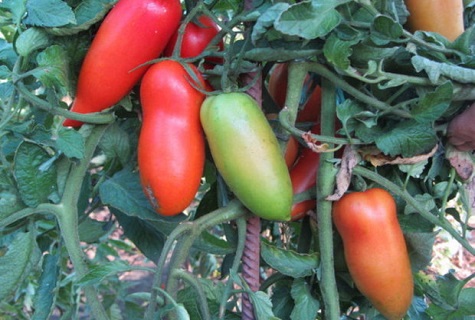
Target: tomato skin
375,250
277,87
247,154
171,147
291,151
442,16
134,32
196,38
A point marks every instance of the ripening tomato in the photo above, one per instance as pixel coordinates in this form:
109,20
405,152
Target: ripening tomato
247,154
171,148
309,111
375,250
442,16
196,38
291,151
133,33
304,176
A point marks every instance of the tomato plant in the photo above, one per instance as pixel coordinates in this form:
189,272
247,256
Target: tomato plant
133,33
375,250
171,149
231,121
443,17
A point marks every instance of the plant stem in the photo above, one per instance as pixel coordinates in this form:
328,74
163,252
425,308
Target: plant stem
67,215
325,185
192,281
392,187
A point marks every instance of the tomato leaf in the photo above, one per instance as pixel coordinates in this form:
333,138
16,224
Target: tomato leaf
306,306
433,104
35,177
97,273
282,301
289,262
408,138
116,144
266,20
385,30
30,40
70,142
22,254
338,52
309,20
52,68
45,294
48,13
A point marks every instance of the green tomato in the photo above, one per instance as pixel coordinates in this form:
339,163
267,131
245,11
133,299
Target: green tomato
247,154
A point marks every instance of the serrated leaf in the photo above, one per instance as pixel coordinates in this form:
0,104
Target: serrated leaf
306,306
71,143
116,144
262,306
309,20
384,30
30,40
408,139
48,13
433,104
338,52
87,13
289,262
45,296
436,69
52,68
34,182
97,273
266,20
21,256
420,249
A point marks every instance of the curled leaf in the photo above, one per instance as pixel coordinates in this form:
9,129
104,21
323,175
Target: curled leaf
377,158
461,161
349,160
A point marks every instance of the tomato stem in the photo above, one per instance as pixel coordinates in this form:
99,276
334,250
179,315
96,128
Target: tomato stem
67,215
324,187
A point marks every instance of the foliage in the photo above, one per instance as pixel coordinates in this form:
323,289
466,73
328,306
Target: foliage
393,93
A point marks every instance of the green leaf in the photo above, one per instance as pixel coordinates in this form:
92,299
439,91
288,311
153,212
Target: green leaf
36,179
420,249
9,203
282,301
45,295
97,273
338,52
408,139
262,306
289,262
48,13
433,105
30,40
52,68
306,306
435,70
146,237
266,20
21,256
17,9
91,230
385,30
209,243
116,144
70,142
124,192
309,19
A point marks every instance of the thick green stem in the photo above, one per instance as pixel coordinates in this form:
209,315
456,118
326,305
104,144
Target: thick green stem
395,189
194,282
67,215
192,230
325,185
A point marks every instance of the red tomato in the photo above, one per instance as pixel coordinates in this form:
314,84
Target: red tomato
134,32
196,38
291,151
375,250
304,176
171,148
310,111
